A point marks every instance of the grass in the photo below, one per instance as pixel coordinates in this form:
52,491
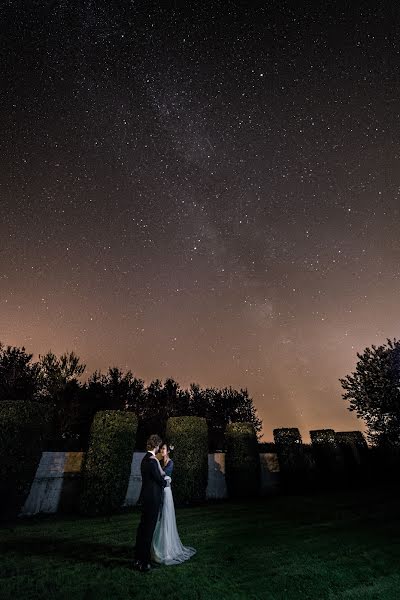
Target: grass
342,546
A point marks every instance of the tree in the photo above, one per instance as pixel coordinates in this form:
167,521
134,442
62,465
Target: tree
220,408
116,391
162,402
239,408
60,387
374,392
19,377
56,373
113,391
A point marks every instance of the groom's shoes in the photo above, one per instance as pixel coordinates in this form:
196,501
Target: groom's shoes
144,567
137,564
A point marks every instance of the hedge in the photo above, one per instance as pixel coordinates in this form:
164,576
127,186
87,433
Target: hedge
23,431
354,439
107,464
328,456
242,461
296,465
189,437
354,449
383,464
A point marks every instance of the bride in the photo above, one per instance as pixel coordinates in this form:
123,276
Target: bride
167,548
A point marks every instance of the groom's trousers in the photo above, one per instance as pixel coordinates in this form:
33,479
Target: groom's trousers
144,535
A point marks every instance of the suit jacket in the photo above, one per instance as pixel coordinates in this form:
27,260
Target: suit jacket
153,482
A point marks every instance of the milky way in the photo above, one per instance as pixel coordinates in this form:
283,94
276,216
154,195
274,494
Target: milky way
210,194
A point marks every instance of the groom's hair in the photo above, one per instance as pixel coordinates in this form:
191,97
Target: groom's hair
153,441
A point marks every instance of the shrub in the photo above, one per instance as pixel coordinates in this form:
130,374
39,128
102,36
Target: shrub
267,447
383,464
23,431
355,439
189,436
310,466
295,465
107,464
242,461
328,456
354,449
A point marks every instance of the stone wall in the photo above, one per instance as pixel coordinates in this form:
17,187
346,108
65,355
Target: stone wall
269,472
135,480
56,486
216,487
56,483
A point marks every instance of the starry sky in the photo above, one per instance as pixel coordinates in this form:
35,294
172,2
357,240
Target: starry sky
206,192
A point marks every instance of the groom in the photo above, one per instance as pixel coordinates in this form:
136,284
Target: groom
153,484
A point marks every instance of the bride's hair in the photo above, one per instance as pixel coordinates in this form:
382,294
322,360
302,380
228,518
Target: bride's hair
170,447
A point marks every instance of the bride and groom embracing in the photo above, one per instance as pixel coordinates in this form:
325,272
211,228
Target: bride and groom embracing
157,537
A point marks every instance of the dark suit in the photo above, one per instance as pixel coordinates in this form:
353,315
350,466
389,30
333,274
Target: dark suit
153,484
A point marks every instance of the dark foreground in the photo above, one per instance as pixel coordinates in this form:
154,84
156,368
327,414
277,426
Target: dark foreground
328,547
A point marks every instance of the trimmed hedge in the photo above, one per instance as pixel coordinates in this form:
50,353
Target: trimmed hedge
189,436
354,439
267,448
328,456
107,464
296,465
354,449
383,465
23,431
242,461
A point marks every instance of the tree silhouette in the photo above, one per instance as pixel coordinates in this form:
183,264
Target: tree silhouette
117,391
374,392
162,401
59,385
220,408
56,380
112,390
19,377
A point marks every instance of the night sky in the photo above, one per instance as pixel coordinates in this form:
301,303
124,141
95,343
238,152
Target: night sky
206,193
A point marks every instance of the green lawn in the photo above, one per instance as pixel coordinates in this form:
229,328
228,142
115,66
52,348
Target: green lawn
340,546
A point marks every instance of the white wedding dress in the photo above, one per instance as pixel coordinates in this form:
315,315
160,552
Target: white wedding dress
167,548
